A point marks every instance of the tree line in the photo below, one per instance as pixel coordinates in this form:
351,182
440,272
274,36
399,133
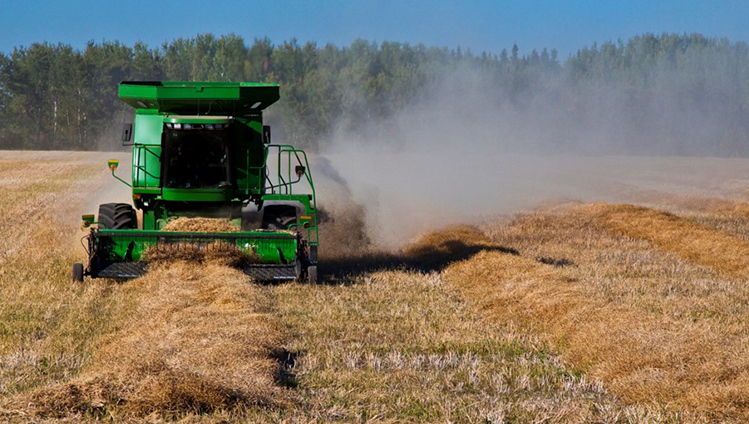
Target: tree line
669,93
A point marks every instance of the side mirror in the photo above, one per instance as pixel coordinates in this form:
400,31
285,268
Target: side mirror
266,134
87,220
127,132
113,164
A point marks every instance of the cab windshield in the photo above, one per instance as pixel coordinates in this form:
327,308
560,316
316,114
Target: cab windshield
196,158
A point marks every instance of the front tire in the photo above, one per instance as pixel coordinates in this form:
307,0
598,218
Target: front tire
117,216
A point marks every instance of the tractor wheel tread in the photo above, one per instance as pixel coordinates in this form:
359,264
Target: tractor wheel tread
117,216
123,215
109,206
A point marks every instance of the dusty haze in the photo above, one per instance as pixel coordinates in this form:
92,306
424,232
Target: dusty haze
466,152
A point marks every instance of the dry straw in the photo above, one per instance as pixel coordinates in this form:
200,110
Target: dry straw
642,356
694,242
202,340
201,225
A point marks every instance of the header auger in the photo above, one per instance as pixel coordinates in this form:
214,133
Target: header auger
200,149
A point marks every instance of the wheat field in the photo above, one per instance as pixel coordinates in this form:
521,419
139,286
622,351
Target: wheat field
630,311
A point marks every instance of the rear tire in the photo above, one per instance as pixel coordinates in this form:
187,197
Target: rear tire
117,216
78,272
312,274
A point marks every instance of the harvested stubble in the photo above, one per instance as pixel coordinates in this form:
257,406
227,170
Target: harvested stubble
646,347
201,340
399,346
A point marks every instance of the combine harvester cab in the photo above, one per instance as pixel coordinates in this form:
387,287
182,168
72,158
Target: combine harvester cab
200,150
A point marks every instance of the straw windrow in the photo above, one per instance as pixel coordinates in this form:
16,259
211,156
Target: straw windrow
623,323
694,242
201,341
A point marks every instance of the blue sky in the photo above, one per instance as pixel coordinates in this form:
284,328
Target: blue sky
482,25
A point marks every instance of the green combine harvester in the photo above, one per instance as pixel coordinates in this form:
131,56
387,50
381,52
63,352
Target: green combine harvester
200,150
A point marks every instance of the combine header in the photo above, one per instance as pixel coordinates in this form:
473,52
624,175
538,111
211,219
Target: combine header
200,150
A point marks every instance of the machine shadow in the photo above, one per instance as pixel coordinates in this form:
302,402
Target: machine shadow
339,270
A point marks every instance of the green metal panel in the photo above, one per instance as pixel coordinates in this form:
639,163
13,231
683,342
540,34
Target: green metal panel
148,129
141,190
302,198
272,247
146,162
149,219
200,98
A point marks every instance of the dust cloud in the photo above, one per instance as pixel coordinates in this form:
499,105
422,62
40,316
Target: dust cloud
467,151
111,190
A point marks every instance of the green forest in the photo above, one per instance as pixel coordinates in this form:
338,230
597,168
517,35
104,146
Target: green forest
659,94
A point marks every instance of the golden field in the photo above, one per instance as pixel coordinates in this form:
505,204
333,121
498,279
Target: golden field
635,310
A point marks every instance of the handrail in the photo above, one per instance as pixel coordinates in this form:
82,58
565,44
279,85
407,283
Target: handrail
284,186
144,167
